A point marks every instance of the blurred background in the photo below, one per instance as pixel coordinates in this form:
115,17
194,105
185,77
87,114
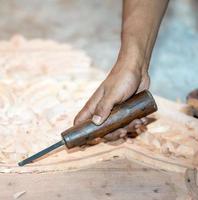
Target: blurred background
94,25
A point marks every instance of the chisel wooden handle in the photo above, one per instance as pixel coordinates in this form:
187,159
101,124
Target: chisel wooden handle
140,105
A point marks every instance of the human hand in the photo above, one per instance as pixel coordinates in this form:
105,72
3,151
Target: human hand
130,73
119,85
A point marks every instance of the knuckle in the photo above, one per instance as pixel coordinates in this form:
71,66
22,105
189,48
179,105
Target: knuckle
77,119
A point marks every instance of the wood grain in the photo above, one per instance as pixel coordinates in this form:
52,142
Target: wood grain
118,179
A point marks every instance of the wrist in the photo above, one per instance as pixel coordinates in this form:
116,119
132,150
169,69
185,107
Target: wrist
132,59
123,67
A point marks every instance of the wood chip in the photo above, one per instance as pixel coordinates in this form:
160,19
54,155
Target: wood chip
19,194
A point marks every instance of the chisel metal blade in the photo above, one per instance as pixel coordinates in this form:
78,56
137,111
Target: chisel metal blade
41,153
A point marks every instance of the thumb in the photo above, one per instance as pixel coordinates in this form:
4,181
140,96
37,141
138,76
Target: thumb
103,109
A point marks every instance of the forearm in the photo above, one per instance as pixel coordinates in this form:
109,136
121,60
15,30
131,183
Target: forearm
140,24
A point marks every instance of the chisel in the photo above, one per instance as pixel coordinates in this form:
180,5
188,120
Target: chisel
138,106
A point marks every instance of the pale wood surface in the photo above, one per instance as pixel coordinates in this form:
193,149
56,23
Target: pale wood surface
43,85
118,179
35,110
170,142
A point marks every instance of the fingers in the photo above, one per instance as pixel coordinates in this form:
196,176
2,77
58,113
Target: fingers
122,132
133,125
94,141
103,109
98,107
89,108
108,94
119,133
144,120
137,123
119,136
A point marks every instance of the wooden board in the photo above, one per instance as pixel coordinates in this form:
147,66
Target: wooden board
172,128
160,163
116,179
39,78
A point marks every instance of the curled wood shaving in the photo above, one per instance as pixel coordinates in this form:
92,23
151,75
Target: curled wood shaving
43,85
19,194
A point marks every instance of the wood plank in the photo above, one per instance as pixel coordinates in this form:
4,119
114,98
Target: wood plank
117,179
169,143
36,109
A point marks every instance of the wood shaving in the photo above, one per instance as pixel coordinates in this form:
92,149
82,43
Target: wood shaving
169,135
18,194
43,84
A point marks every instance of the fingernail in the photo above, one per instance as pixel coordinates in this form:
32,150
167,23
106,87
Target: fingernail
96,119
138,125
123,134
144,120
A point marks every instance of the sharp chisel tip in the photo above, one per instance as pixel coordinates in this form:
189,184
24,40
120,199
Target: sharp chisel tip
41,153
